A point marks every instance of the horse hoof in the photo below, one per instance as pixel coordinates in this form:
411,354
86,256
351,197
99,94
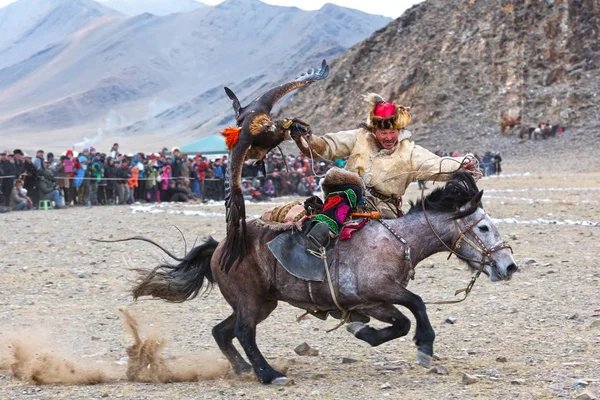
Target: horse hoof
354,327
424,359
282,380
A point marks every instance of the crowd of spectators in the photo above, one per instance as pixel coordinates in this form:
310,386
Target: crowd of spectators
92,178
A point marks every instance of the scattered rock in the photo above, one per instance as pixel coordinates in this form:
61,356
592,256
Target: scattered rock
439,369
513,236
518,381
83,274
347,360
450,320
530,261
587,395
595,324
468,379
574,316
501,359
95,338
305,350
385,386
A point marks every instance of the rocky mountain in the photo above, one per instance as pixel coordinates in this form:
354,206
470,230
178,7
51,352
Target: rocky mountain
463,66
34,26
164,75
156,7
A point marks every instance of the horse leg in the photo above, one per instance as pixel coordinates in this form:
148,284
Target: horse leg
424,333
400,325
249,315
224,332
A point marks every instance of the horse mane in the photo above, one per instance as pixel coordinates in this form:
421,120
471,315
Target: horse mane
457,192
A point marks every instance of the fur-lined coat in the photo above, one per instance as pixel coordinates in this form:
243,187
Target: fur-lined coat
387,172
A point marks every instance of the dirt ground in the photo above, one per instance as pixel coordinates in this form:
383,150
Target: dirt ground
534,337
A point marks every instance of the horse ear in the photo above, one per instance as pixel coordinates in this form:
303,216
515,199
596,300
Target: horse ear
475,201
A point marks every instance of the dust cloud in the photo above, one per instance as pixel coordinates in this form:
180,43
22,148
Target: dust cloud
147,364
33,358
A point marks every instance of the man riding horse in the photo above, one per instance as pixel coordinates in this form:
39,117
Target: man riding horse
382,153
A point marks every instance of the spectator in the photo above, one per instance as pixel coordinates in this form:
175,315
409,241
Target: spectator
10,173
497,161
219,172
303,188
49,189
247,189
151,182
175,193
269,189
18,199
38,162
97,172
111,172
124,173
114,151
81,185
30,179
62,179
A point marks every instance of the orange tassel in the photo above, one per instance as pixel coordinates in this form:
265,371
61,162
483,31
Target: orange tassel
231,136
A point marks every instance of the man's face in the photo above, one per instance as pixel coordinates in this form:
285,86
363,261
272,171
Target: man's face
40,154
18,157
387,138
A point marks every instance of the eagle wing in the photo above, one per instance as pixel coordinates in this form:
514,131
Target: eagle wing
269,98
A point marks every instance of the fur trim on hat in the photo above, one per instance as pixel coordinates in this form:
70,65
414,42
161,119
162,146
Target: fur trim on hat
338,176
400,120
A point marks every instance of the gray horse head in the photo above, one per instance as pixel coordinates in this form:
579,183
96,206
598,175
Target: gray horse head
474,237
479,243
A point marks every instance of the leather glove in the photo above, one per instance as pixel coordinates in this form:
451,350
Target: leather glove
295,127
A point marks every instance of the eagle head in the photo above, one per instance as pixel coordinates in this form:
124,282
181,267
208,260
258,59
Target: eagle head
262,124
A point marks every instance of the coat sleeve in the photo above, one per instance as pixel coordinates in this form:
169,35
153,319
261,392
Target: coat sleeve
428,166
330,146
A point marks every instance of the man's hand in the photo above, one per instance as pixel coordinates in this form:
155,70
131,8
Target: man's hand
294,126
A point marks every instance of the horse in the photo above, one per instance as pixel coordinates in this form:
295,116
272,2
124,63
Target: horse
509,122
372,269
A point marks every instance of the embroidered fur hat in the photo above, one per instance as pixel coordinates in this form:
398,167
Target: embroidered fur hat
337,177
384,115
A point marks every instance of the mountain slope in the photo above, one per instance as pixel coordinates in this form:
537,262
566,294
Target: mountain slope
156,7
31,26
144,65
464,65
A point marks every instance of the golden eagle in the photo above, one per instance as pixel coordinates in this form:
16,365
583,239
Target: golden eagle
255,136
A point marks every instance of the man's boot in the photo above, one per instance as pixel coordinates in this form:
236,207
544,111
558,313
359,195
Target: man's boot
317,237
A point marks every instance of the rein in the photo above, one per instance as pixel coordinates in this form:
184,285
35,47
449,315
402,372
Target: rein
486,252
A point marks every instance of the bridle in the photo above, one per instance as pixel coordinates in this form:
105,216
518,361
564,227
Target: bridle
478,245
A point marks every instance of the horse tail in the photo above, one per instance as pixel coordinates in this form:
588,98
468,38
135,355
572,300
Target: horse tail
180,282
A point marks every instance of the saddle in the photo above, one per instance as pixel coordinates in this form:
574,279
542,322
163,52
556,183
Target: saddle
289,247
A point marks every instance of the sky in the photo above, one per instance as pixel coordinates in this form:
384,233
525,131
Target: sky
389,8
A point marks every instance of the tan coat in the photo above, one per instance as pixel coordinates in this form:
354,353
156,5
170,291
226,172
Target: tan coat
386,172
